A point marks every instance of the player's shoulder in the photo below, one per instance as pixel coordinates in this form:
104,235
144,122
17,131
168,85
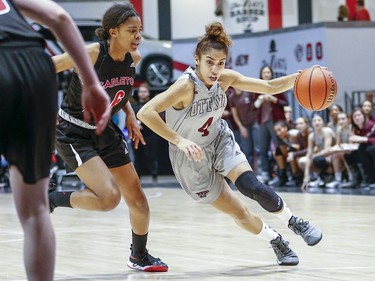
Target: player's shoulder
227,77
184,84
93,50
328,130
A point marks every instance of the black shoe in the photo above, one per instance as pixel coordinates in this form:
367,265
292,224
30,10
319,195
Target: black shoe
296,181
146,262
278,182
284,255
51,190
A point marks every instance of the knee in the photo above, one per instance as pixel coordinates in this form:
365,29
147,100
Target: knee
137,203
250,186
110,199
30,216
301,162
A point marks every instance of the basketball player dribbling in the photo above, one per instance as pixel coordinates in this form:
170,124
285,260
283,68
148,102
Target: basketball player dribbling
203,150
28,94
103,162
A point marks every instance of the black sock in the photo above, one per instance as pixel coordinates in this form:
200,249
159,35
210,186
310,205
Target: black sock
139,243
60,199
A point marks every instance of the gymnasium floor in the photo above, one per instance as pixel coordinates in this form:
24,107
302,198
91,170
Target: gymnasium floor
200,243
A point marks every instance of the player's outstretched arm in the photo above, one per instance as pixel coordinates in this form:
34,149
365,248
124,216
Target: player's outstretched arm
255,85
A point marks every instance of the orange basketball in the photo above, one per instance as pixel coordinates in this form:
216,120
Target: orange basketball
315,88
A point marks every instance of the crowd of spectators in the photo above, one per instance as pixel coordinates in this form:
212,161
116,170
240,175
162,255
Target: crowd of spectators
336,153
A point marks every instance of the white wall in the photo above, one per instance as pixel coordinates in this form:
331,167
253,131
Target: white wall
86,10
190,17
150,18
290,13
352,60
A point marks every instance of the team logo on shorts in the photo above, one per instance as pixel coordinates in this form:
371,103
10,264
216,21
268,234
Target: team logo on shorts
202,194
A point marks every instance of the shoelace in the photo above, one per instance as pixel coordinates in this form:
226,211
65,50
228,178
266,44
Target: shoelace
282,246
146,257
300,226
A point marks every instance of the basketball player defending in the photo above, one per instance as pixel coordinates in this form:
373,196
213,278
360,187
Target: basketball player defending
203,150
103,162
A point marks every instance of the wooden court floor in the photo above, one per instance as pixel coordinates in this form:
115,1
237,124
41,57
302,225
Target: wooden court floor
199,243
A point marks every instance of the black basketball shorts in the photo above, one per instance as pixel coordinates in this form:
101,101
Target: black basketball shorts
28,107
76,145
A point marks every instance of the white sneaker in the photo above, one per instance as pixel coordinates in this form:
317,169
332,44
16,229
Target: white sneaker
316,183
333,184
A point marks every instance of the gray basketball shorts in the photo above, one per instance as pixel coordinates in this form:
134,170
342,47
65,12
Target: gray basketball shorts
204,181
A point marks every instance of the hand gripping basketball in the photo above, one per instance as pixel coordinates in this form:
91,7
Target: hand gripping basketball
315,88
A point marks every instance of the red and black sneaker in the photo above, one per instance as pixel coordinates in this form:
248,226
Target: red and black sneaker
146,262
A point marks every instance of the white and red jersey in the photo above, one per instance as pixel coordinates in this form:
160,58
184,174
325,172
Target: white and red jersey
199,122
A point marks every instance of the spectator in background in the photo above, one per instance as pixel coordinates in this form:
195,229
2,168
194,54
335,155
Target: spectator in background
286,143
338,162
319,144
297,158
228,116
363,133
333,112
288,112
245,116
367,107
343,13
361,13
271,110
146,154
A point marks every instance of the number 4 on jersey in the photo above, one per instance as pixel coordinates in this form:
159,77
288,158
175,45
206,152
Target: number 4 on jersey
203,129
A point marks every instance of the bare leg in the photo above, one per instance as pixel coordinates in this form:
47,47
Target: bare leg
102,194
337,162
229,203
131,190
39,239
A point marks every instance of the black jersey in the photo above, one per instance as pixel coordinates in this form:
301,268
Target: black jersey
117,78
14,30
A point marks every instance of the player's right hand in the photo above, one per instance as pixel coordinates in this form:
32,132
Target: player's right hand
96,105
305,183
191,150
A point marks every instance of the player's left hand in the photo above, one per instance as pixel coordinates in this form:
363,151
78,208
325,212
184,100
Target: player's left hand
134,130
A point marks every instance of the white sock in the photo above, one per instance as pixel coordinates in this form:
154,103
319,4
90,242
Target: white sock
267,233
338,176
285,214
